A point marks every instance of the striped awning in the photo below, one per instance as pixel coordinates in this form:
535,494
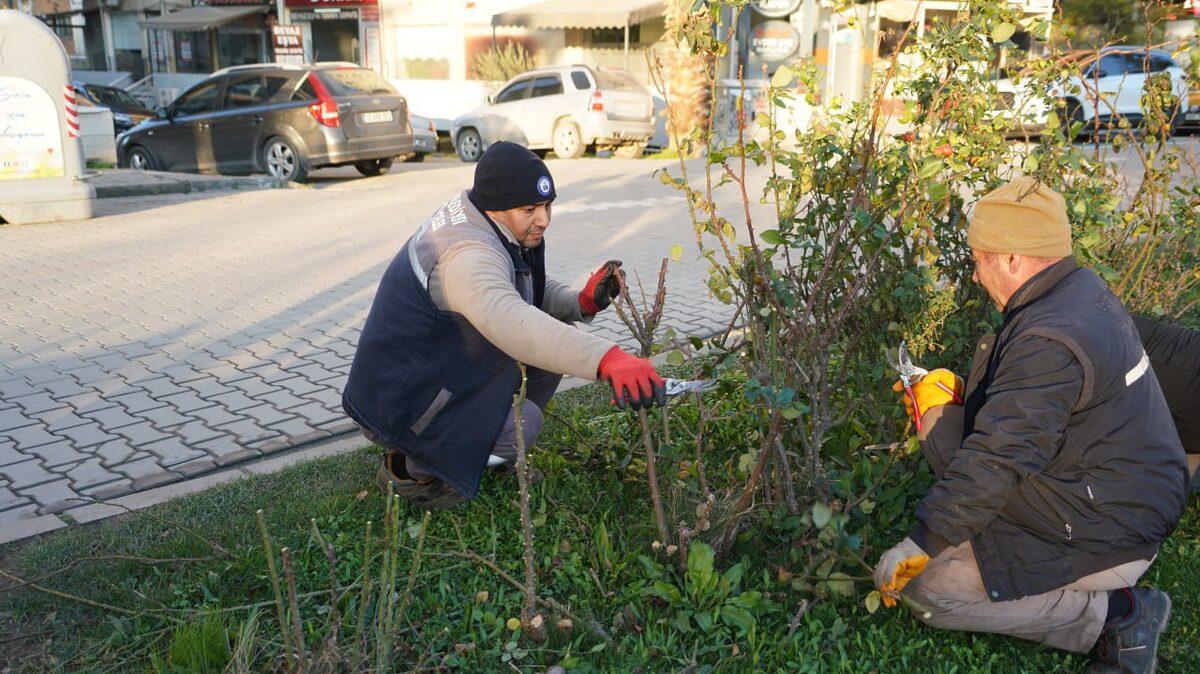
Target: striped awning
581,14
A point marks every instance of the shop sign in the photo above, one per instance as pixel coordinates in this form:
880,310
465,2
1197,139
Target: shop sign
776,8
774,41
288,42
30,143
308,4
313,15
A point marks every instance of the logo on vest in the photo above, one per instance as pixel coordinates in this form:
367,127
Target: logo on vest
543,186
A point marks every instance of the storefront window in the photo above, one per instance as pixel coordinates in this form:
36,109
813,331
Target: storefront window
889,36
421,53
239,47
193,54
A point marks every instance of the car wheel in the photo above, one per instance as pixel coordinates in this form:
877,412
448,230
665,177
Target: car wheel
282,160
469,145
139,159
374,167
414,158
631,151
567,143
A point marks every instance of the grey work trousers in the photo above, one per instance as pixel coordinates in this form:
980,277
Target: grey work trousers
950,594
540,386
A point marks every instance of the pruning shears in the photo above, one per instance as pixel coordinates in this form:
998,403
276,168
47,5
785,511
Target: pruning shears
677,387
909,375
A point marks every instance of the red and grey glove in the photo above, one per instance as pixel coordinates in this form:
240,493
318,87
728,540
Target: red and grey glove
634,380
601,289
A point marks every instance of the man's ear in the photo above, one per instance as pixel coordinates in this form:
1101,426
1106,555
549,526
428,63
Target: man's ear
1012,263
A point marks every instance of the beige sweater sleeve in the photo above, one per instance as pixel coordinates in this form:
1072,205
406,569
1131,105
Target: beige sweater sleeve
562,302
471,279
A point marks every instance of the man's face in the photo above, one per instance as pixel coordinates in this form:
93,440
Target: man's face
527,223
990,275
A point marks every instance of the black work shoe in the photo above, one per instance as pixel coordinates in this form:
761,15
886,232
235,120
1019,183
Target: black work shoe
430,493
1129,646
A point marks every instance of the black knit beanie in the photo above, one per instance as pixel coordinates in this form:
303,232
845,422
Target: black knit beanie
510,175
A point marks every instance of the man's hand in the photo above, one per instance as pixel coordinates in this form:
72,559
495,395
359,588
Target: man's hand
896,567
939,387
634,380
601,289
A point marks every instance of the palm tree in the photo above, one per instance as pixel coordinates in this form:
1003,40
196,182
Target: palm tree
686,74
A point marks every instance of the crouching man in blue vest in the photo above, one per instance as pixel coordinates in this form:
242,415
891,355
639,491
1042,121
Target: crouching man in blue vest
465,299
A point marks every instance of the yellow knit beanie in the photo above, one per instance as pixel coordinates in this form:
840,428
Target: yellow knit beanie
1023,217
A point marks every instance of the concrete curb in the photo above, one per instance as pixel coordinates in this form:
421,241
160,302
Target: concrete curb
117,183
91,512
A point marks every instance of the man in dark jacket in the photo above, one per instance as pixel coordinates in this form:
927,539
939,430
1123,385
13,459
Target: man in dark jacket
1174,353
1061,474
466,298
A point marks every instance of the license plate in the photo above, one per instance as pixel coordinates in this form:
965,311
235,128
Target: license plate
377,117
1193,117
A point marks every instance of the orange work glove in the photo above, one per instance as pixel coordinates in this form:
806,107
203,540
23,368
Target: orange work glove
896,567
939,387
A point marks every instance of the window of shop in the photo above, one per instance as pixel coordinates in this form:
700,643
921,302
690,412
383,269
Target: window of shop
889,36
421,53
612,37
193,53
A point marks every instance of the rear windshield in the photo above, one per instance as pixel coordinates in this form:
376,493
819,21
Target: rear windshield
345,81
616,80
109,96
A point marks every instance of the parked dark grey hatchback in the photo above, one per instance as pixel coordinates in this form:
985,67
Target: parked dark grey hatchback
282,120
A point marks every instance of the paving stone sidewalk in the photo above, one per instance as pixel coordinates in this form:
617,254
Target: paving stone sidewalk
142,350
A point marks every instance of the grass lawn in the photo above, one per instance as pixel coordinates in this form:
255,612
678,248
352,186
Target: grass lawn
184,575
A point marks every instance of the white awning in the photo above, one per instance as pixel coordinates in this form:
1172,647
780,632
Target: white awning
581,14
201,18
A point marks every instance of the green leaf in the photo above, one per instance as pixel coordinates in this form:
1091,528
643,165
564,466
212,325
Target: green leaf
771,236
821,514
840,584
1002,32
790,413
677,252
782,77
937,191
598,647
1031,164
930,168
675,358
737,617
872,601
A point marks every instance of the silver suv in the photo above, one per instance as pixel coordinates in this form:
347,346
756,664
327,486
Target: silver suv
564,109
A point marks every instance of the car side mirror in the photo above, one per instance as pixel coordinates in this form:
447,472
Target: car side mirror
161,111
1101,73
491,100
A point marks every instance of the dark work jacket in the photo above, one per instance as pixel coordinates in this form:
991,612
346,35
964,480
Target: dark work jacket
1069,462
425,381
1175,354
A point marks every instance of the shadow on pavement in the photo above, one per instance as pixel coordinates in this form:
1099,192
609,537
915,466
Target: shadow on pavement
125,205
